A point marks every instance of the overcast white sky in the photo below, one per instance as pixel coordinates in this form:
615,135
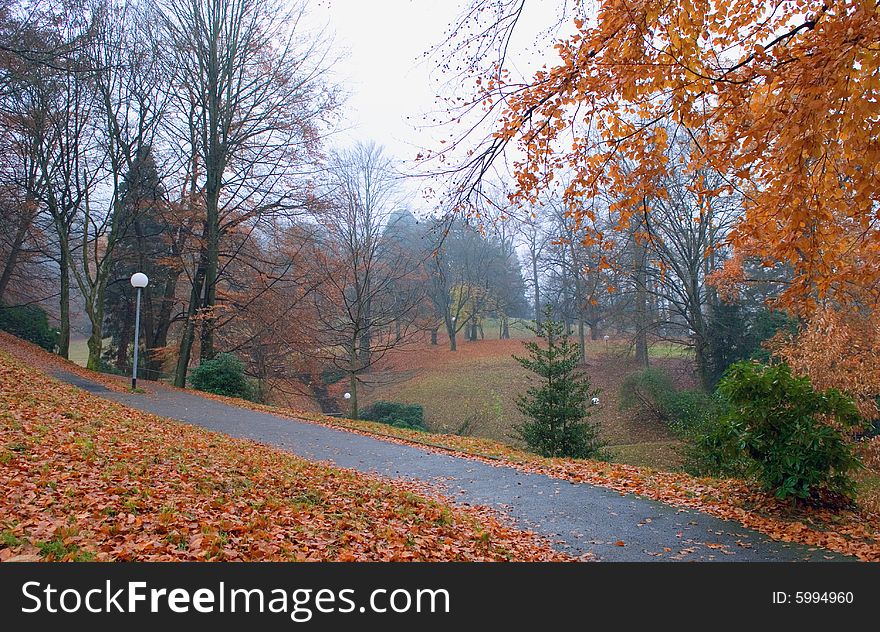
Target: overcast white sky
390,84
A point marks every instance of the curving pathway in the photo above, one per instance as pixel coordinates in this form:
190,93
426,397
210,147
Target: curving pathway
578,518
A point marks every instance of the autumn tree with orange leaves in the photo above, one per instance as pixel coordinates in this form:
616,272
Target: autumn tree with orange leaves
780,99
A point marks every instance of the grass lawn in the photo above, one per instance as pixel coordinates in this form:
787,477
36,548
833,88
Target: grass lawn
79,351
473,392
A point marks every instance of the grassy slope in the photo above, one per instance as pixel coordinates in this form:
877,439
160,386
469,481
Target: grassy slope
474,391
83,478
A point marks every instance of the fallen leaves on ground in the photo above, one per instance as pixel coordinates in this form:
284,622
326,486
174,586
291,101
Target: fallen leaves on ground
83,478
850,532
41,359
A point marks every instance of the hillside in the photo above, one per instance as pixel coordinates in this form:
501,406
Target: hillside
82,478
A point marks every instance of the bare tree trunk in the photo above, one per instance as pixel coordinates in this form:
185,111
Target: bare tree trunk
641,341
450,329
582,340
64,330
701,351
537,291
24,225
96,338
353,380
366,341
186,340
212,264
126,332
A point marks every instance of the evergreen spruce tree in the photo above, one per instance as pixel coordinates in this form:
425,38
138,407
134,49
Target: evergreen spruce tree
558,406
142,247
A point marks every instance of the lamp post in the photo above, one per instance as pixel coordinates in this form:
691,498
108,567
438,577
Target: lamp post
139,281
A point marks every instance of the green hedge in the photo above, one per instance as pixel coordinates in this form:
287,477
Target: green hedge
791,437
224,375
692,415
30,323
399,415
688,413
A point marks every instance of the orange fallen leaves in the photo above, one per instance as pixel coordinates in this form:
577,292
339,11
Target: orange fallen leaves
852,532
84,478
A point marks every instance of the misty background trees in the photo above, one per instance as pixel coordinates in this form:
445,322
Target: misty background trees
190,140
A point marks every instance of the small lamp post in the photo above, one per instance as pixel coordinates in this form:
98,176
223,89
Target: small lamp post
139,281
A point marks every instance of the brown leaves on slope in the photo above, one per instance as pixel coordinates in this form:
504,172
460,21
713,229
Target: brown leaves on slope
83,478
41,359
851,532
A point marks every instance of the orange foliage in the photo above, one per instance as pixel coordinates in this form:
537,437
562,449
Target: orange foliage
839,350
781,98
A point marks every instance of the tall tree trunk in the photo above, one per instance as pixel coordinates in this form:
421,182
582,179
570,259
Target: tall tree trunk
126,332
209,319
64,333
96,338
450,330
17,242
434,336
366,341
582,340
352,381
536,289
186,340
641,341
698,323
212,252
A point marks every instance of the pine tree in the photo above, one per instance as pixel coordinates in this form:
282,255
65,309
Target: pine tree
558,406
143,247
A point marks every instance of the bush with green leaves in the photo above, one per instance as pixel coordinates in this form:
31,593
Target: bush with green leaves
647,389
688,413
557,407
224,375
791,437
31,323
331,375
399,415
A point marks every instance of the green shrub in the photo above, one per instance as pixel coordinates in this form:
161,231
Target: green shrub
557,406
224,375
647,389
30,323
409,416
688,413
331,375
787,434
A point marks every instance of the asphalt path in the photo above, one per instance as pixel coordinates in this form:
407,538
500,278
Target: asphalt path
577,518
